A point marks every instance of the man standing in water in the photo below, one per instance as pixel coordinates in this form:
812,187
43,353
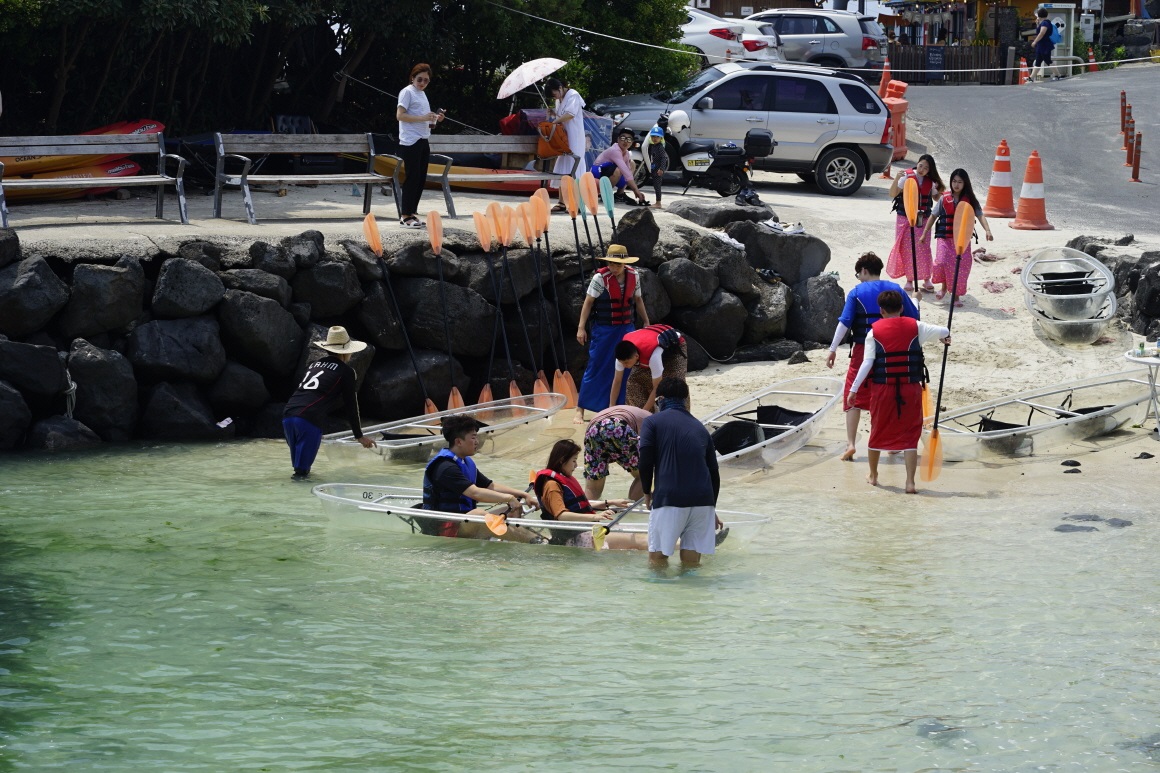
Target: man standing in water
860,312
676,450
895,363
326,382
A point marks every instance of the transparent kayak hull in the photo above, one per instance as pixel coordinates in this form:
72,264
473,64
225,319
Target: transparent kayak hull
393,508
1076,332
1036,421
1067,284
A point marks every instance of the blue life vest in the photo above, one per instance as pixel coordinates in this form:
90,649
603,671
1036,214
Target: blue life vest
444,501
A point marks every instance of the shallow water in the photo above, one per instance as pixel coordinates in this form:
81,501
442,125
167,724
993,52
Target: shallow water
189,608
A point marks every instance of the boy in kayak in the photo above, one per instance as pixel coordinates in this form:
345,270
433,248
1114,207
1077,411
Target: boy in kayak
453,484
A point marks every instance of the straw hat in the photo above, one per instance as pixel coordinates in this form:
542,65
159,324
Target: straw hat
340,342
617,253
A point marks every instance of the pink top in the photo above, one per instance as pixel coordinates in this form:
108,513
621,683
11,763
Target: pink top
616,156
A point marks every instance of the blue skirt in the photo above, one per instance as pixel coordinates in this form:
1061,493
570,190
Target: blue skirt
601,367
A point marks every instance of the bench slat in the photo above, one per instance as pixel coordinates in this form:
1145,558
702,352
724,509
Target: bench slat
294,143
79,140
105,148
87,182
261,179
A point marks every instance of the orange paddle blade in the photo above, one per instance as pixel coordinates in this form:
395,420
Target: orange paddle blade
542,212
482,230
526,217
496,524
568,196
932,462
543,195
514,389
927,408
560,387
435,232
509,225
573,393
455,400
485,394
540,393
590,192
964,226
910,200
371,232
429,406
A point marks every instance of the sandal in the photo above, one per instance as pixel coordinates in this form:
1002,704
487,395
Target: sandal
559,208
410,222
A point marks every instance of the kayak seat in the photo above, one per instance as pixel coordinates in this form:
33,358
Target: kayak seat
775,414
1084,411
399,436
987,424
732,436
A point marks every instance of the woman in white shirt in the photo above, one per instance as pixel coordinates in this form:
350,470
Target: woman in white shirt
569,114
415,123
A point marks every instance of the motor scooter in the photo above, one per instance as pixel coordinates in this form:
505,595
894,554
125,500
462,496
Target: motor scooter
720,167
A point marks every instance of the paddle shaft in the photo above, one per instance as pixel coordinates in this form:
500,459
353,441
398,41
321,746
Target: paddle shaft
519,308
608,526
556,295
580,253
402,325
914,263
946,347
599,236
446,323
500,326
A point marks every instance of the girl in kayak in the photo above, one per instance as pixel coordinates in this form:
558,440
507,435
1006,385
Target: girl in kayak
901,262
562,499
942,216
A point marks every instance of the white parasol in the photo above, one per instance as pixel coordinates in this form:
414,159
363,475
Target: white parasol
527,74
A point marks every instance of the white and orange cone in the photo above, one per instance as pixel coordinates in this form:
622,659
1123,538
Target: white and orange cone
1000,195
1032,215
1024,73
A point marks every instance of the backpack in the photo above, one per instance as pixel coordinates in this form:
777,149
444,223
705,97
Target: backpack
669,338
1055,37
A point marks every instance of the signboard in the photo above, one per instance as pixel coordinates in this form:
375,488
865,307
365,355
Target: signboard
935,62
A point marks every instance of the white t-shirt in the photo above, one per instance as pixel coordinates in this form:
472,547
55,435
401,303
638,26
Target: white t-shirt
926,333
656,364
596,287
414,102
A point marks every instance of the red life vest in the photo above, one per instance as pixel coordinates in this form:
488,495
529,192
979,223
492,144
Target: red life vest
574,499
615,304
647,339
897,352
944,227
925,200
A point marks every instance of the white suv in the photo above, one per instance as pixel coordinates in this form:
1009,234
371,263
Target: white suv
839,39
719,40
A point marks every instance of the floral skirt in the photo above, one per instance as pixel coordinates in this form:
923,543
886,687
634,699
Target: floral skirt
900,263
944,266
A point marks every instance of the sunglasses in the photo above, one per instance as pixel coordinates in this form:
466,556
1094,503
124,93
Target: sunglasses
422,79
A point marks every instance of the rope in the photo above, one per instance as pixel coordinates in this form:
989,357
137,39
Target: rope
70,392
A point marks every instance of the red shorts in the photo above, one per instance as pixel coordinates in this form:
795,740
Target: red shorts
896,417
862,396
449,529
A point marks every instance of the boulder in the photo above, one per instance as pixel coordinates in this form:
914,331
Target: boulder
717,326
206,254
259,332
331,287
798,358
470,321
57,434
261,283
637,230
522,274
1147,295
103,298
236,258
14,416
528,336
106,390
31,368
306,249
1126,265
727,262
178,350
273,260
795,257
768,312
391,390
301,314
9,246
178,412
572,295
376,313
817,304
417,260
30,295
687,284
267,422
717,213
185,289
698,358
366,263
238,390
770,351
656,300
674,243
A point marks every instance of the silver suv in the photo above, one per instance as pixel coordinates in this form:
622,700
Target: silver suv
840,39
831,128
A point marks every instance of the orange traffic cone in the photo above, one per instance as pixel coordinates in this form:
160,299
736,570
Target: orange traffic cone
1092,66
885,81
999,192
1024,73
1032,214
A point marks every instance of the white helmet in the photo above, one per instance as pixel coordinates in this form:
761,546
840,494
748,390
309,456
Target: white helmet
678,121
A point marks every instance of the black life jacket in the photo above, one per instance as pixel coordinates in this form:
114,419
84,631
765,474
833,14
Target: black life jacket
444,501
897,355
615,304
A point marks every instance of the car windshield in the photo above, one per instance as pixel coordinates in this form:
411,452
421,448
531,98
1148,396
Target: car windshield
871,27
694,84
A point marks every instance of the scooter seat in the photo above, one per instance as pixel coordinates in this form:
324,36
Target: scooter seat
690,148
725,151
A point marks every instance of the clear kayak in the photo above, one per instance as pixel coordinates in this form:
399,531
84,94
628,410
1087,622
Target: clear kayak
1074,331
394,508
1067,284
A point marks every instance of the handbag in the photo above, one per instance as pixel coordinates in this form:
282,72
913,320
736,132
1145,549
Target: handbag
553,140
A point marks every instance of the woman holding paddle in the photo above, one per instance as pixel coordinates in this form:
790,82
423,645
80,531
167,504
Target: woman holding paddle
416,120
943,218
910,256
562,499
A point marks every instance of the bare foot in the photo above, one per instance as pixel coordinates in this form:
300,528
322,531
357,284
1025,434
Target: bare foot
847,455
911,489
958,304
579,420
872,480
927,287
658,205
940,295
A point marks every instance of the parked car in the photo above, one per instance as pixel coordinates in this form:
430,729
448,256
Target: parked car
840,39
720,40
831,128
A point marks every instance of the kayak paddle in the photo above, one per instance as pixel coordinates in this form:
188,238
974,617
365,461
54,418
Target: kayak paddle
435,234
568,196
497,522
509,232
483,231
600,530
501,227
964,225
591,198
609,202
910,205
562,382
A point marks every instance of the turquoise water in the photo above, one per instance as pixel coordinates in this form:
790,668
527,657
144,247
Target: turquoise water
189,608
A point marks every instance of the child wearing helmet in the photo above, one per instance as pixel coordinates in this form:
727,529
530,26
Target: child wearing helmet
656,156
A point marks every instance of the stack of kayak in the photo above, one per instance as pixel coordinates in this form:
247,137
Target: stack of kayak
75,167
1070,295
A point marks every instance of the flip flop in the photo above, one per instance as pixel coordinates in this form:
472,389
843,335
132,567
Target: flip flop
559,208
410,222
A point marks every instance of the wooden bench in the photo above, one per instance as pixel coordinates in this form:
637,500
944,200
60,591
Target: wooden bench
242,147
94,145
515,152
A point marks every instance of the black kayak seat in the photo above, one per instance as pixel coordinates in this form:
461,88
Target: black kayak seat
1066,283
781,418
732,436
1082,411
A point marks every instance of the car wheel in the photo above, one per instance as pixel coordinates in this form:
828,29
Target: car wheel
808,177
641,175
840,172
704,59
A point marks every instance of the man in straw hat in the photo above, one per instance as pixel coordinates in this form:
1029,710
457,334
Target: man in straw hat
326,382
613,292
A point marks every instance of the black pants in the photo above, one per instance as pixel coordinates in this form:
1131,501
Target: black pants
415,158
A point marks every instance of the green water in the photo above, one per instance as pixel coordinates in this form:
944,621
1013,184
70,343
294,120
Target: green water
189,608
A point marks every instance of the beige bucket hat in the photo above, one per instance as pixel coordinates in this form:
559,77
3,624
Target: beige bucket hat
617,253
340,342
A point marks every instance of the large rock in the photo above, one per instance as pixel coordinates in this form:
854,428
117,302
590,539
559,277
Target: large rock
30,295
698,357
468,316
178,350
103,298
366,264
417,260
377,315
656,300
273,260
206,254
1147,296
768,313
106,390
637,230
185,289
238,390
717,213
331,287
306,249
817,305
770,351
251,280
727,262
9,246
57,434
530,339
795,257
717,326
687,284
14,416
178,412
31,368
392,391
259,333
520,267
572,294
